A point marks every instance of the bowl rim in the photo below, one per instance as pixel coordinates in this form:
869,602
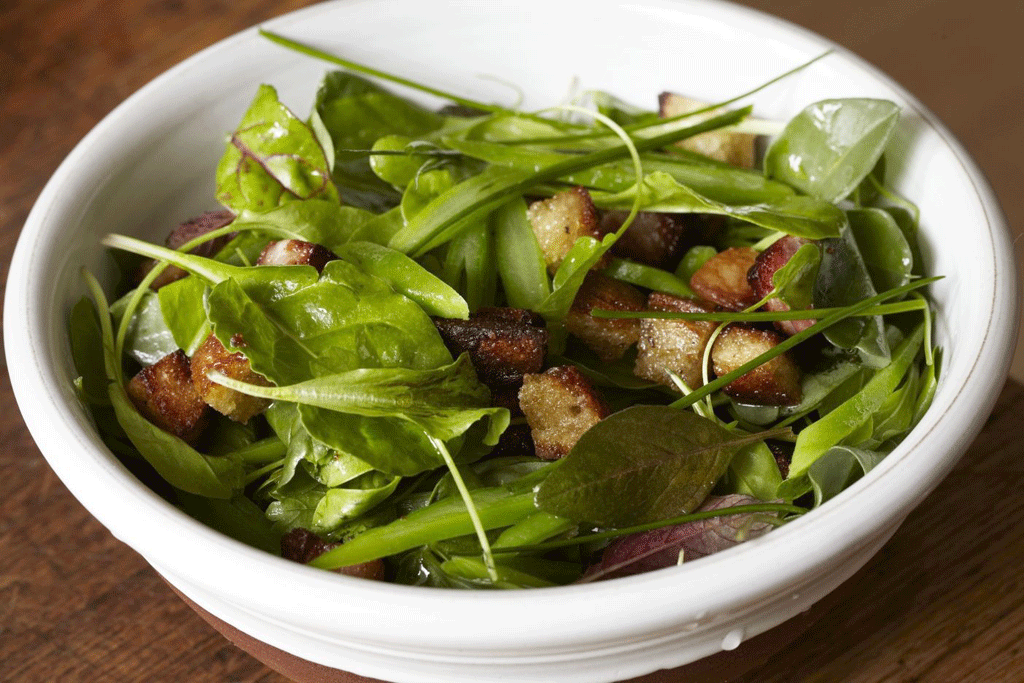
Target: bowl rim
216,557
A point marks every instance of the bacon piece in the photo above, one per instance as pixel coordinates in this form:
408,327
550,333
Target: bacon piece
676,345
607,337
761,273
722,279
732,148
184,233
303,546
295,253
560,405
559,221
164,394
503,344
775,383
657,239
211,356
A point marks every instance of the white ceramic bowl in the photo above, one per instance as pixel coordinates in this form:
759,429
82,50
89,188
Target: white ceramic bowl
150,164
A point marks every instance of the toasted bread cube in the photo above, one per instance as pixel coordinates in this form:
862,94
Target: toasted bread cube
607,337
295,253
181,235
560,406
304,546
776,383
761,275
673,345
211,356
164,394
559,221
732,148
501,346
722,279
657,239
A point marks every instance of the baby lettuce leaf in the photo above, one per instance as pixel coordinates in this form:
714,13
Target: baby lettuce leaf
642,464
272,158
407,277
356,113
831,146
183,314
838,425
668,546
443,401
793,215
883,247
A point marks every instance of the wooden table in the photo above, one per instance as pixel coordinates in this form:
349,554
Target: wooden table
943,601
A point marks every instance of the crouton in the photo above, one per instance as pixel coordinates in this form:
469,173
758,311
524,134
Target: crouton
559,221
763,271
295,253
501,348
608,338
303,546
673,345
165,395
722,279
732,148
560,406
184,233
211,356
776,383
656,239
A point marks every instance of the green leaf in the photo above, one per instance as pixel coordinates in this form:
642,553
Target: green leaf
316,221
639,465
86,338
239,518
754,472
831,146
883,247
793,215
183,314
272,158
148,339
793,283
831,429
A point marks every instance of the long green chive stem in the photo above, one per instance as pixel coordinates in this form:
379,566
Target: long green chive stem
311,51
481,533
625,531
760,316
782,347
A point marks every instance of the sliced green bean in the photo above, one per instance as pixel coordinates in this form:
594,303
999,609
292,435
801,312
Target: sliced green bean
647,276
540,526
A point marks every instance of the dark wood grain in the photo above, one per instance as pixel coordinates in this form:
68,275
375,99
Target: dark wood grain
941,602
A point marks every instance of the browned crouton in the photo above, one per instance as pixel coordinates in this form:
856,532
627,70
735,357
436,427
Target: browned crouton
164,394
560,406
303,546
656,239
501,347
184,233
673,345
732,148
606,337
211,356
776,383
722,279
559,221
295,253
761,275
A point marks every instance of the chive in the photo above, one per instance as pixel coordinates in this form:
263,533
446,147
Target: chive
828,321
650,526
759,316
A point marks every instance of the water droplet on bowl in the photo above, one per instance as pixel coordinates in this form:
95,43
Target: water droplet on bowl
732,639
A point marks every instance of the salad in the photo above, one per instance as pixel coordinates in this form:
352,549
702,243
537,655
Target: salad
478,347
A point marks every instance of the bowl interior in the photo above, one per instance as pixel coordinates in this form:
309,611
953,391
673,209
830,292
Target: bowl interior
150,165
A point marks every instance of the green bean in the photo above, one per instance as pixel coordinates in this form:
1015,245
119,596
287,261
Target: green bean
647,276
540,526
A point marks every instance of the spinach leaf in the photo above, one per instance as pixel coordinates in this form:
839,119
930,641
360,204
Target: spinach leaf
272,158
148,339
639,465
356,113
831,146
793,215
239,518
794,282
754,472
183,313
317,221
86,338
884,249
305,502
